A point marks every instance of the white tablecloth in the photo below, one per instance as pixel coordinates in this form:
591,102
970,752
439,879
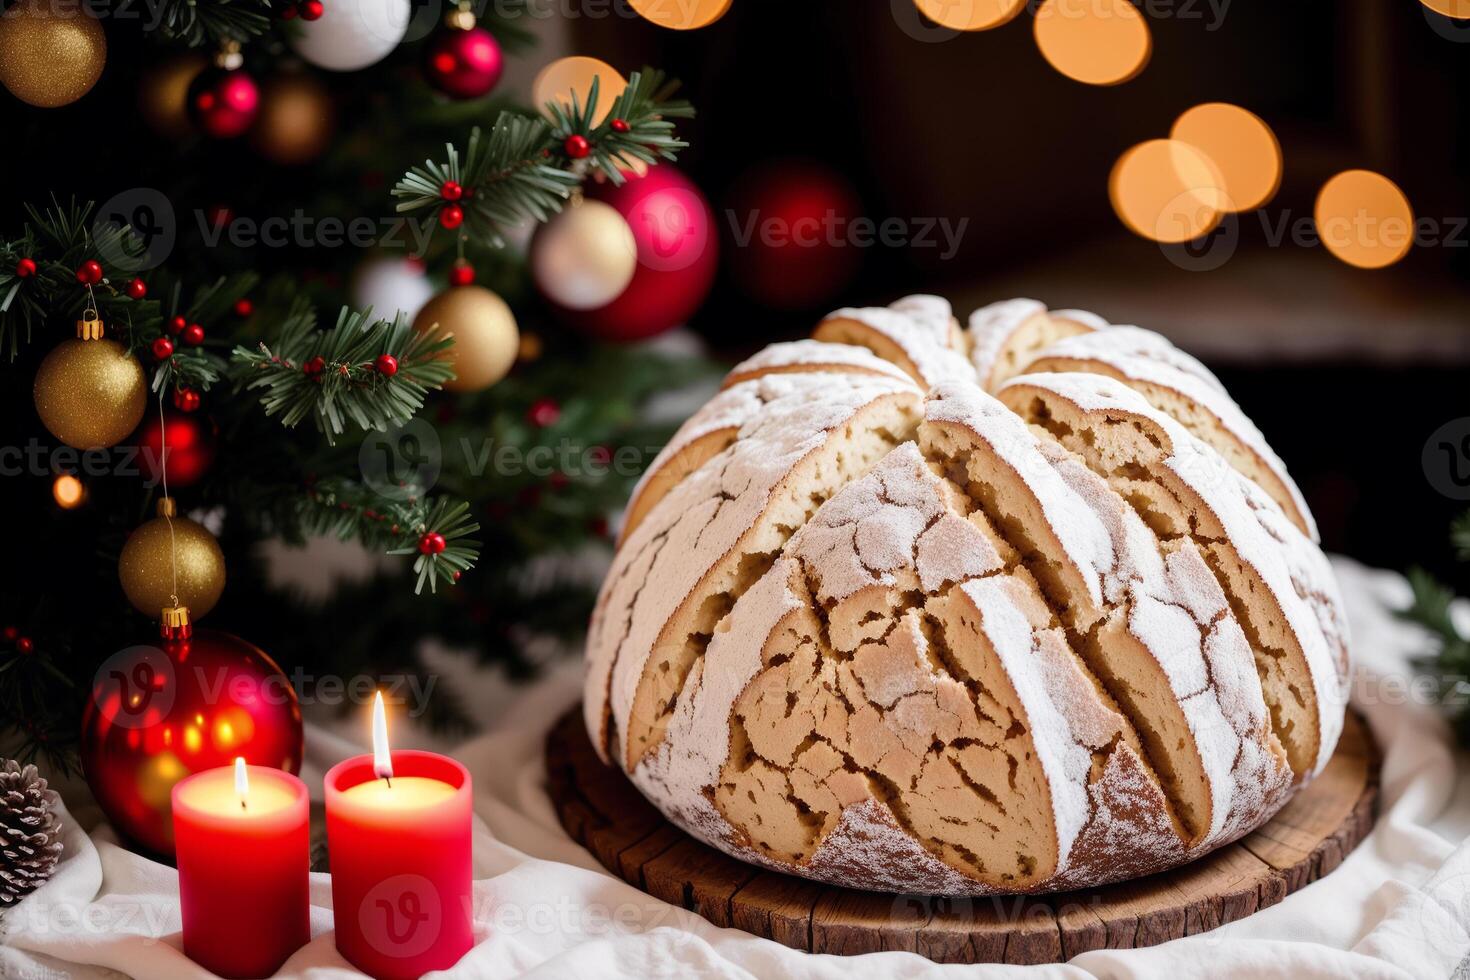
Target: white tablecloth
1399,906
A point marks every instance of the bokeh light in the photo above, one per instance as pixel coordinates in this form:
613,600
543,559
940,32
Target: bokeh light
970,15
1364,219
681,15
1241,146
565,76
1458,9
1166,191
1097,42
68,492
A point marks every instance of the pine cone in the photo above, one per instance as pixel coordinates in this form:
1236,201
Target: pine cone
30,831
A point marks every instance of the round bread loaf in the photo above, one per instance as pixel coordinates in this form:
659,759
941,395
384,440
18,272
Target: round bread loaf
1024,607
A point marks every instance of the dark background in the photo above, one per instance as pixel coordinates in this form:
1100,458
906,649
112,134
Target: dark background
1346,371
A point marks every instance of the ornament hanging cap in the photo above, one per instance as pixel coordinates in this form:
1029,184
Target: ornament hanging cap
175,624
229,57
90,326
167,507
462,19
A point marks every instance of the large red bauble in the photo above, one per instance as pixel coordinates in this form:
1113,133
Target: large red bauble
463,64
223,102
163,710
792,222
190,441
678,255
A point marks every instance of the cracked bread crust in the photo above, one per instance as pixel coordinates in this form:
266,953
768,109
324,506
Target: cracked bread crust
940,645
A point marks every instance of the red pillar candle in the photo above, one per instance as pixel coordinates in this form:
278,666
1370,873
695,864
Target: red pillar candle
398,832
243,855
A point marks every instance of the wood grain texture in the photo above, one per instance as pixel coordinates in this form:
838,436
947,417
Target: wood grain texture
600,808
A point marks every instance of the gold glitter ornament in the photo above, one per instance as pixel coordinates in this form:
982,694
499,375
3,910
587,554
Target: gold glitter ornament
90,392
51,53
484,330
155,554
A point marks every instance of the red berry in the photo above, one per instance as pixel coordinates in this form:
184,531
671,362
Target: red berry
558,480
176,325
456,574
10,633
312,9
315,366
243,306
193,335
289,11
452,216
544,412
25,268
451,191
432,543
24,644
619,125
386,365
462,274
577,146
598,527
163,348
89,273
186,399
137,288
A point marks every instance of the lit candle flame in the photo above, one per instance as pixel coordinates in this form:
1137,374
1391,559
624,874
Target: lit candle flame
382,761
242,780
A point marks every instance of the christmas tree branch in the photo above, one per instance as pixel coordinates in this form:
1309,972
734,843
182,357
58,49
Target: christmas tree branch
526,168
372,372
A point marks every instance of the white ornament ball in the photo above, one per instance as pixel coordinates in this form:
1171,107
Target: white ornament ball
391,285
352,34
584,257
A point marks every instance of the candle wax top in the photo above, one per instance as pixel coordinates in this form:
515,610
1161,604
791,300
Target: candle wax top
214,792
404,793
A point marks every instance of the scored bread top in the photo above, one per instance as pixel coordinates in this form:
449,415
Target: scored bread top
871,625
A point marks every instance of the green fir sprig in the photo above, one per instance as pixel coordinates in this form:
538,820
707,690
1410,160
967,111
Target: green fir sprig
1447,661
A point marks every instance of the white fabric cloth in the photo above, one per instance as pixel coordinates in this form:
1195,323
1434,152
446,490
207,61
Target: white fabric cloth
1399,906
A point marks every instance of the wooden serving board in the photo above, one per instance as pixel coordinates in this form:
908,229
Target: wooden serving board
600,808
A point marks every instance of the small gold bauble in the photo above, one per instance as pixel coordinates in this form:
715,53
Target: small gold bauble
484,330
146,567
584,257
163,94
294,124
90,394
51,54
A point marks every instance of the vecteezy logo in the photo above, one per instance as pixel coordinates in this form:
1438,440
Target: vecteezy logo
401,462
135,230
1446,459
400,916
134,687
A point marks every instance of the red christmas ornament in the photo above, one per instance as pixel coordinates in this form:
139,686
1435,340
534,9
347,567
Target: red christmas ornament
137,288
452,216
461,274
796,257
312,9
243,306
25,268
25,645
186,399
183,446
315,366
10,633
193,335
463,64
451,190
576,146
619,125
386,365
223,101
89,273
163,348
678,255
169,708
432,543
543,412
176,325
